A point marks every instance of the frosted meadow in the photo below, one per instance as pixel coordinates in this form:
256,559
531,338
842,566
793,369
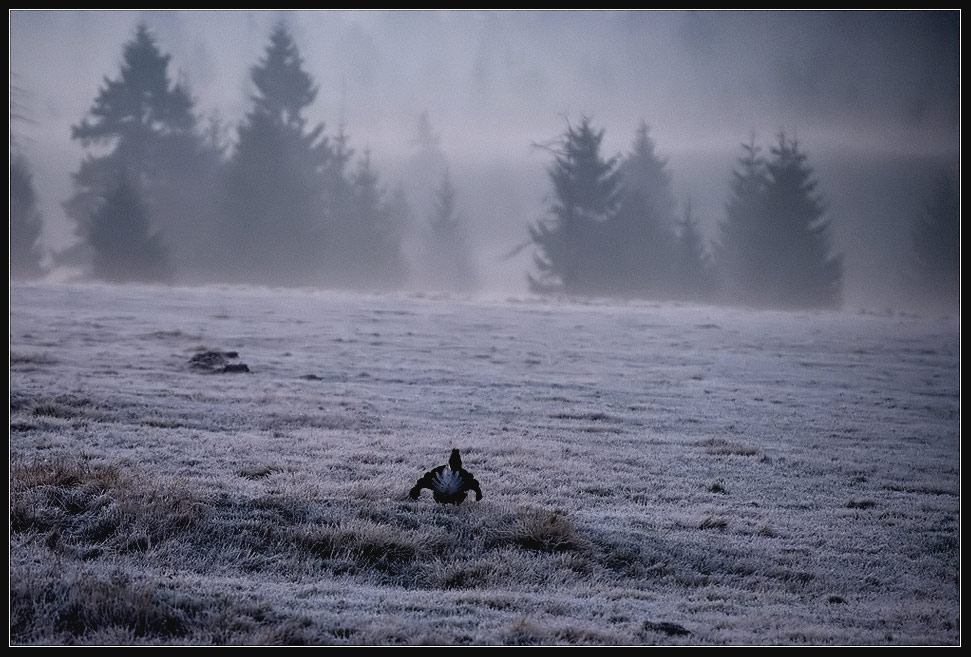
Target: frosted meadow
652,473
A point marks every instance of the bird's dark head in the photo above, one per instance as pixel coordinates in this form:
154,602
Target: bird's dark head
455,461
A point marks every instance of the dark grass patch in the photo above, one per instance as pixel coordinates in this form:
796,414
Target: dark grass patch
539,530
593,428
174,334
525,632
73,609
61,605
938,543
921,490
56,410
255,472
89,512
69,407
622,555
582,636
344,634
75,506
443,548
63,473
22,427
324,420
598,491
466,575
19,358
712,522
665,627
593,416
160,422
722,447
299,631
68,610
86,514
362,547
860,504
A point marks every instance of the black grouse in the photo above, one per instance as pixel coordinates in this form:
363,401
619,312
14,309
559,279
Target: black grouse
450,483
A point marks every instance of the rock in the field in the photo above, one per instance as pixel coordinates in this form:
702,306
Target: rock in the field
217,362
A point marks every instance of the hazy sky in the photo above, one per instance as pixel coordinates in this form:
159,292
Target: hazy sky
495,82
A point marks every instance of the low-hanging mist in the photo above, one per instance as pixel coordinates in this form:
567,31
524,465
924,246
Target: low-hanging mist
871,98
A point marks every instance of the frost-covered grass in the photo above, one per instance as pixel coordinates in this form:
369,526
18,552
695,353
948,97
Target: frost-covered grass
652,473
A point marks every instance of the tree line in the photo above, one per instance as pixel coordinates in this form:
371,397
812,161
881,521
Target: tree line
159,196
162,195
613,228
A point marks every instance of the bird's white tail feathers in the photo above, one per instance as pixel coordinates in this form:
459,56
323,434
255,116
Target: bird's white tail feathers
447,482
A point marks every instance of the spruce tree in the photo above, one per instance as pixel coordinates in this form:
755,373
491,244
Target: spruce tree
126,248
775,244
644,227
277,176
393,264
798,242
426,165
692,271
740,251
338,176
572,248
25,222
447,256
936,243
369,239
141,125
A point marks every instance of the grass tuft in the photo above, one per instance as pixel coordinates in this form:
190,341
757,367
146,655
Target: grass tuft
539,530
76,506
77,607
525,632
362,546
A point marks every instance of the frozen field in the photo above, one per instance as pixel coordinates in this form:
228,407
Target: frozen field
653,474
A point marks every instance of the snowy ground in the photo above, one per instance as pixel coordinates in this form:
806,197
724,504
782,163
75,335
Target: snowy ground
652,473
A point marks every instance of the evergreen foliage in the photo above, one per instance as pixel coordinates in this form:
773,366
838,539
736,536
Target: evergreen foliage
572,253
298,211
370,236
739,253
25,222
126,248
692,264
775,245
447,251
276,218
141,127
936,239
644,234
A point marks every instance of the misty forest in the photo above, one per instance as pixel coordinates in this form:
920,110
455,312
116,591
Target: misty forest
682,286
163,194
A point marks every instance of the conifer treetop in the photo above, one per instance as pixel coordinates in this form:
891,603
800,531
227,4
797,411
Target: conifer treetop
141,99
